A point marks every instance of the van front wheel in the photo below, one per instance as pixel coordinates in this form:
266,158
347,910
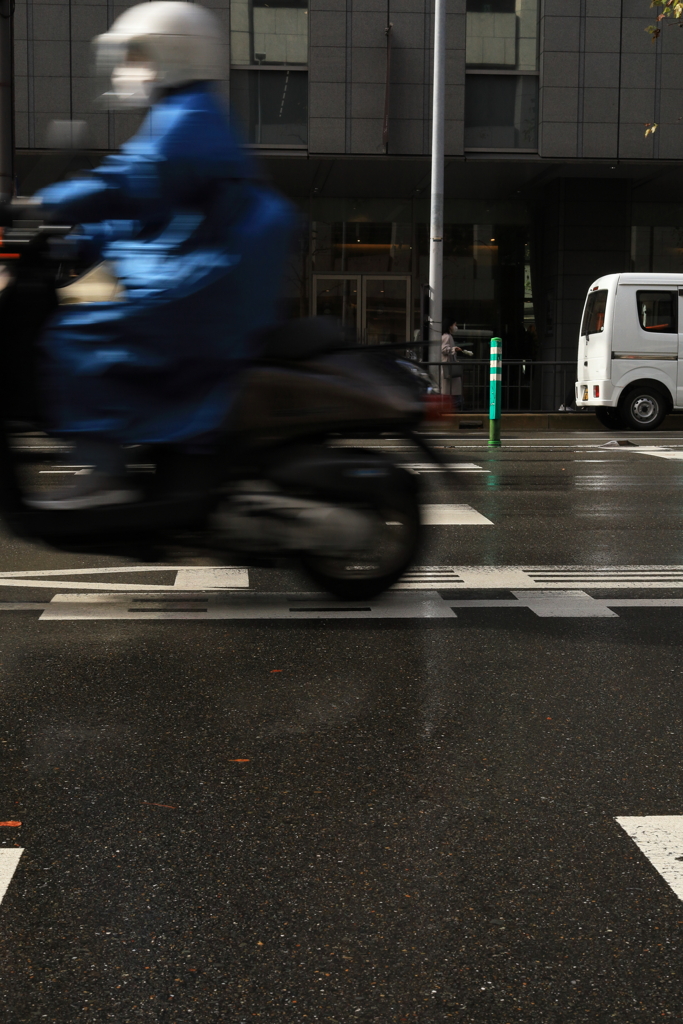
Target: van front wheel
643,408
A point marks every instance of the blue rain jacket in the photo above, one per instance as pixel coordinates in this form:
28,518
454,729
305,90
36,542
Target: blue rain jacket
199,246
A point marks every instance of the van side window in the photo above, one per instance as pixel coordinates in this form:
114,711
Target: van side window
657,311
594,314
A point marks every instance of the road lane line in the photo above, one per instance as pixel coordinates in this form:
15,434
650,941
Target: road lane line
95,571
21,606
200,578
123,588
660,838
9,859
99,570
81,585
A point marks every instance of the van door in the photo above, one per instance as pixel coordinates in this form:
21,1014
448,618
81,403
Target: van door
645,336
679,387
593,348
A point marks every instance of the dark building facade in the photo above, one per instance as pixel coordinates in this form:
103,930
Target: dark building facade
550,180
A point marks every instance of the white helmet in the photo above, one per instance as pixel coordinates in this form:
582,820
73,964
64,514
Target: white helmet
160,45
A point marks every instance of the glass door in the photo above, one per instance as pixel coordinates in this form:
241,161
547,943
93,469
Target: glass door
338,297
375,308
386,309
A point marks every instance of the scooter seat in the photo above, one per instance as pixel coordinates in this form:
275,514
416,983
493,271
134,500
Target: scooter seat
297,340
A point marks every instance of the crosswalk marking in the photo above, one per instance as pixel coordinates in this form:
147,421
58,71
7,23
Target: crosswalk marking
563,604
217,577
453,515
298,607
9,859
429,576
546,577
569,604
554,604
648,575
431,467
659,452
660,838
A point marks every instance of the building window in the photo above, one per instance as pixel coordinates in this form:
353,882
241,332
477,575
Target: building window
502,34
272,106
369,247
657,249
501,109
501,112
275,32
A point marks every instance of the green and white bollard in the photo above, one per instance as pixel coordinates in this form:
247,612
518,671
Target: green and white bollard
496,387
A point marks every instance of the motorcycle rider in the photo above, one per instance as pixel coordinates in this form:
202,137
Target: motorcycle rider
198,246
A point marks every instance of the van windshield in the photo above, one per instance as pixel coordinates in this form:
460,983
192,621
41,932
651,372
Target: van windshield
594,314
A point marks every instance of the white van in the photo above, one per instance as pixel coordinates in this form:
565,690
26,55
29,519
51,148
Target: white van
630,363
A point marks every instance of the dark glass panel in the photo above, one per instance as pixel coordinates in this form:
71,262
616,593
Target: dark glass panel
272,106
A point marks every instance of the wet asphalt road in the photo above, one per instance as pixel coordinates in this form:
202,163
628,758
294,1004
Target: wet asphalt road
359,820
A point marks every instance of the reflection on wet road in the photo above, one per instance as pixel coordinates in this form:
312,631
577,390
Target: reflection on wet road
461,801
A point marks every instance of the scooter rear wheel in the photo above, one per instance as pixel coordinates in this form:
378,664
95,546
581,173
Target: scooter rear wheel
609,418
361,575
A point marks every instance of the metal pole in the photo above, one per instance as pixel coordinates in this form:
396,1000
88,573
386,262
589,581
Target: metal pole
436,207
495,389
387,90
6,100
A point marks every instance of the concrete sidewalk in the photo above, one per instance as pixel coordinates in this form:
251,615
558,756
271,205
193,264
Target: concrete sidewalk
478,423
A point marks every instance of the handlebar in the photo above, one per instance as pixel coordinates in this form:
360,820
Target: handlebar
31,250
17,241
26,235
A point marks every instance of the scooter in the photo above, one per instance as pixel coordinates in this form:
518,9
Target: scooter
276,485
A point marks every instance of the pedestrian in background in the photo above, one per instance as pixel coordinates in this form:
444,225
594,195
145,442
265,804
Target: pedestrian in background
452,372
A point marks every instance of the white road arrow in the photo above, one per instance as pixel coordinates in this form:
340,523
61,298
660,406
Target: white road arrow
660,838
9,858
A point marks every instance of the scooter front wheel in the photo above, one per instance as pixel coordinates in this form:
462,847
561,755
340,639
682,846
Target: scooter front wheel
363,574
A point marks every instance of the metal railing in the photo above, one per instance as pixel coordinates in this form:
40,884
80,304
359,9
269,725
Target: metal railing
528,386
